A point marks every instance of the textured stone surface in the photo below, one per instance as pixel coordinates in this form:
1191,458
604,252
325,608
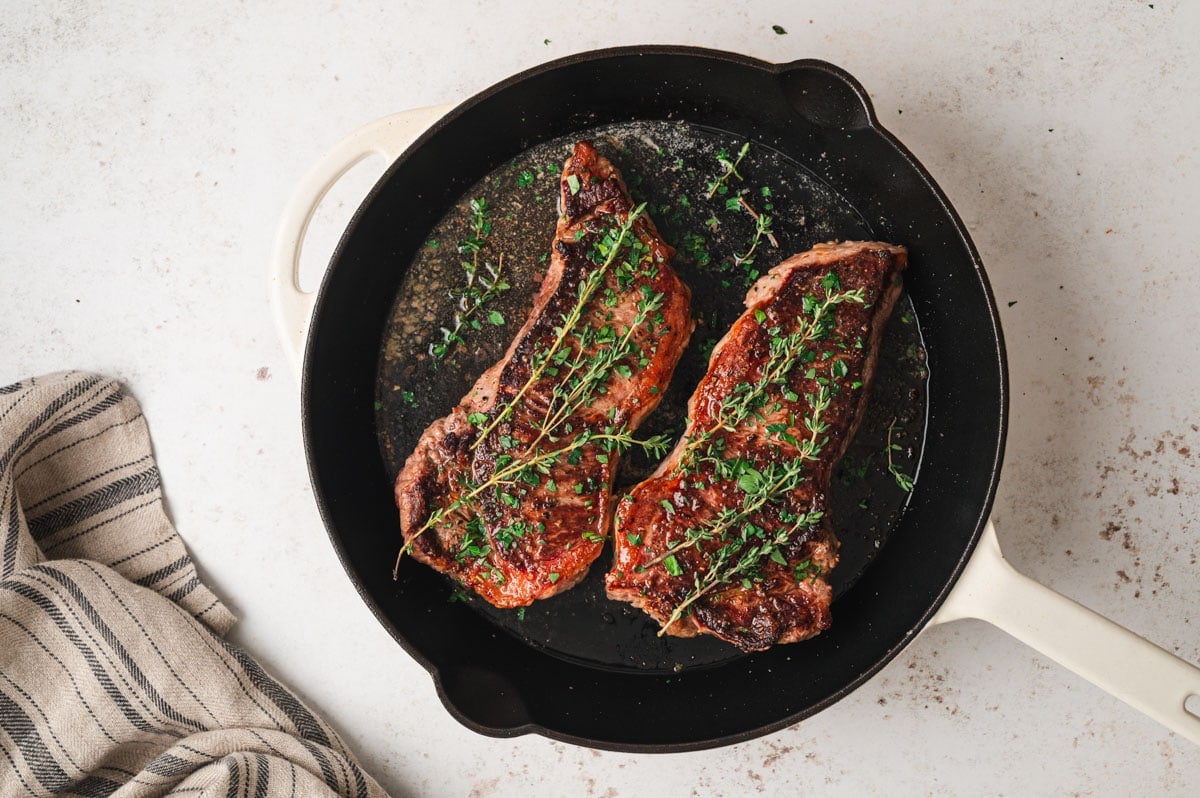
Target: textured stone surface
149,154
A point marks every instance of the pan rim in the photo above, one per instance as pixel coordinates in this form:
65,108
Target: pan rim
960,232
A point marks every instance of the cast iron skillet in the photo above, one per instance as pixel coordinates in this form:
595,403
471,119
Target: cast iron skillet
817,115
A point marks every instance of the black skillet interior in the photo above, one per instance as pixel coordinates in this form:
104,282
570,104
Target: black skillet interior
818,117
667,165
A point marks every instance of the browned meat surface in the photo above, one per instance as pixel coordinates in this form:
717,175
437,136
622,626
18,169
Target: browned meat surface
510,494
730,537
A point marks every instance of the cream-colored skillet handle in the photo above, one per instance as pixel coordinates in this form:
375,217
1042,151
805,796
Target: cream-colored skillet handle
291,304
1108,655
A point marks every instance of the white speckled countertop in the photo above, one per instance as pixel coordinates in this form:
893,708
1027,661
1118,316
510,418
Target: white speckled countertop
149,154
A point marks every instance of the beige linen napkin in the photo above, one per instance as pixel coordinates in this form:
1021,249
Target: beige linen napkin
114,677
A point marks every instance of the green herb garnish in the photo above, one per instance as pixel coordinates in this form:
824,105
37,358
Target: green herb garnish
483,284
581,359
762,228
902,479
730,167
743,547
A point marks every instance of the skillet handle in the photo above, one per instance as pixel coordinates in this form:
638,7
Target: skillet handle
291,305
1110,656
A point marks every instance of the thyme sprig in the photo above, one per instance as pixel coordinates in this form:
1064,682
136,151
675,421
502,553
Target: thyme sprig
769,486
513,472
599,355
762,222
762,228
581,358
730,167
587,289
745,546
784,353
902,479
760,488
483,283
737,559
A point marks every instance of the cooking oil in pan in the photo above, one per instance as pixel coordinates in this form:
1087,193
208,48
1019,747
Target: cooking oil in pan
670,166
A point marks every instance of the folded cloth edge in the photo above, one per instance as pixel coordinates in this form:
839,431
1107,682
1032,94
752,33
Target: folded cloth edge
114,677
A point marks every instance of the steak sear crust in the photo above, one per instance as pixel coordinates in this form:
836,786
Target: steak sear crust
698,516
510,494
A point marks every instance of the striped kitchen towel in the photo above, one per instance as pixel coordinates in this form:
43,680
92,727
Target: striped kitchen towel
114,677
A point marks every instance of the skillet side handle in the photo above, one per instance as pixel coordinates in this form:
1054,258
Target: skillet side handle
1108,655
291,305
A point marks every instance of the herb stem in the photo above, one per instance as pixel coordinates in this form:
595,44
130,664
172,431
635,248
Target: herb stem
470,299
730,169
737,408
762,226
749,558
569,321
754,214
902,479
479,301
505,476
583,376
582,391
753,504
744,545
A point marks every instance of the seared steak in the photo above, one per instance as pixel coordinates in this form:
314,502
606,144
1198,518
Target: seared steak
730,537
510,494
